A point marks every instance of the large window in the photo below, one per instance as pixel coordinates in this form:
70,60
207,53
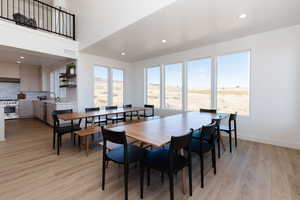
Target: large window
153,86
221,82
118,88
198,84
233,83
173,86
101,86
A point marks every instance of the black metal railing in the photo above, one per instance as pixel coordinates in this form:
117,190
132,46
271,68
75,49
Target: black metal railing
39,15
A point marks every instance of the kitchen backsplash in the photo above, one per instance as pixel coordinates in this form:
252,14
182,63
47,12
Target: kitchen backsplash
11,90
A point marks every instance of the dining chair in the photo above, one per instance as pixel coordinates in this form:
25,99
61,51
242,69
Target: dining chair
131,114
115,117
205,143
92,120
60,129
124,155
229,128
168,161
146,114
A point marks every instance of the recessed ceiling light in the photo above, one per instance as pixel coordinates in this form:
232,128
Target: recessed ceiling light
243,16
19,62
123,53
22,57
164,41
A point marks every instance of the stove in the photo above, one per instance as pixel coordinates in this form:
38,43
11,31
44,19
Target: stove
11,108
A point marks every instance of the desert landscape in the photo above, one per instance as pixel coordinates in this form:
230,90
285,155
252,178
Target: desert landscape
101,91
230,100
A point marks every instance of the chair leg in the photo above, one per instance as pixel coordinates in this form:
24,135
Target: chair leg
58,143
171,182
214,160
103,173
235,137
162,177
148,176
190,179
219,147
230,142
142,180
126,181
202,171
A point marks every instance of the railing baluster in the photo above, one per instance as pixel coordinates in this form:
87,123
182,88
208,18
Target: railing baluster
60,21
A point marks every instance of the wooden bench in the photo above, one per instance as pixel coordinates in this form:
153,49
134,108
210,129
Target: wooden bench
86,133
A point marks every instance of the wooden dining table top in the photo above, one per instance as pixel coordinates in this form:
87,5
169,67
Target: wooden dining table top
81,115
158,132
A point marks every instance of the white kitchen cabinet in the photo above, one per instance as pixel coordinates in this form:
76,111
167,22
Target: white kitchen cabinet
26,109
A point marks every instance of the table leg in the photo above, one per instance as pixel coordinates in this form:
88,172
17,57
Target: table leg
79,143
72,133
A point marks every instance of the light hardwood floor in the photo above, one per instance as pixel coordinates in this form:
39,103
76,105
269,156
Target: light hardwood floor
30,169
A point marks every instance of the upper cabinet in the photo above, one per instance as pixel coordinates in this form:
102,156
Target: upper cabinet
31,78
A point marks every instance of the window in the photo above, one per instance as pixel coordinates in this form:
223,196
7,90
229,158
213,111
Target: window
101,86
233,83
198,84
118,88
153,86
173,86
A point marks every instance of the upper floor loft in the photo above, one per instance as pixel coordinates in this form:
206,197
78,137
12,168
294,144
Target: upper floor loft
39,15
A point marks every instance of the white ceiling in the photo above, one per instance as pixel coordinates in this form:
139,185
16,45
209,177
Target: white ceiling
188,24
10,55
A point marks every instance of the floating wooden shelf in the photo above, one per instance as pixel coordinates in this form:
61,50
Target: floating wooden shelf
68,86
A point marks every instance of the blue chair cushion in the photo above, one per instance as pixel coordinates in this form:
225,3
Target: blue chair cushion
134,154
200,147
159,160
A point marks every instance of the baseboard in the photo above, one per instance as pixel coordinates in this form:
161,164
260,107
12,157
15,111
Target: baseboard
268,141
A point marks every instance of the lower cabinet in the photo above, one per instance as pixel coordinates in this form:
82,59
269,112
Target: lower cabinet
26,109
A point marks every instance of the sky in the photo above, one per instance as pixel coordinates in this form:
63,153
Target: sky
232,71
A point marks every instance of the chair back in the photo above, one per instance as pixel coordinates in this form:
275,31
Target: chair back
152,109
111,107
127,106
59,112
117,137
232,116
209,131
178,143
208,110
92,109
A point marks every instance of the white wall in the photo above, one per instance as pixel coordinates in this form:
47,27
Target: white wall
85,77
99,18
275,83
9,70
34,40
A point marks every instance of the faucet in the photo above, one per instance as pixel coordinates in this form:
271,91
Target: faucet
56,99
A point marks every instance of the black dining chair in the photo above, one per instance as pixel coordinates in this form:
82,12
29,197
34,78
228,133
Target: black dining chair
60,129
147,114
125,155
205,143
131,114
229,128
115,117
94,120
168,161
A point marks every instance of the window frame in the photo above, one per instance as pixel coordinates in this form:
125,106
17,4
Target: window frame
146,84
213,74
109,82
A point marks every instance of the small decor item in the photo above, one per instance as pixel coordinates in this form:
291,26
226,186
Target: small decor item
21,95
71,68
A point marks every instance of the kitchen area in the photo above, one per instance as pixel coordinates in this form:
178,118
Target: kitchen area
33,86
